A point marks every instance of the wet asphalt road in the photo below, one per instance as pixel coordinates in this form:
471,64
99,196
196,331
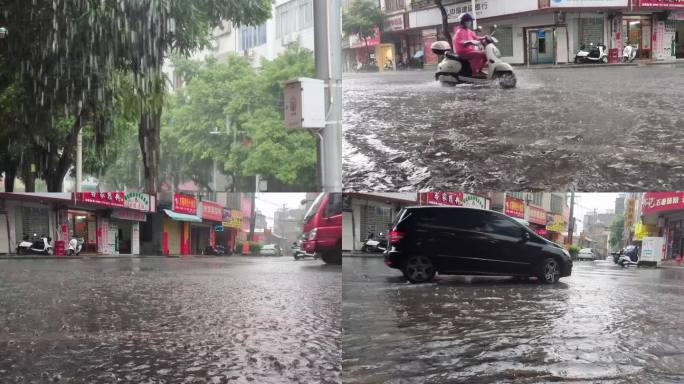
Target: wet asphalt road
591,129
603,324
156,320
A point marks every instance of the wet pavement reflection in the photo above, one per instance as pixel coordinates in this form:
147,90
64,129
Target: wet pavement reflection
593,129
156,320
603,324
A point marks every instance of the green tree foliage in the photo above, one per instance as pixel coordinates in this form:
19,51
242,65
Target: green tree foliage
573,250
62,55
243,109
361,19
616,230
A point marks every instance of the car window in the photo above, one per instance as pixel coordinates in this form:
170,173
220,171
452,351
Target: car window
501,225
334,207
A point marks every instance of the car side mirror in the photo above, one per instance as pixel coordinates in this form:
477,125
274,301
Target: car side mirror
525,236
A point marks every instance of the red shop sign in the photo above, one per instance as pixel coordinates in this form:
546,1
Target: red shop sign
444,198
184,204
662,201
515,207
663,3
537,215
212,211
111,199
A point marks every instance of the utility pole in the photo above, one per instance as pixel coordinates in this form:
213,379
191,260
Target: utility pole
252,219
474,16
328,57
571,219
79,160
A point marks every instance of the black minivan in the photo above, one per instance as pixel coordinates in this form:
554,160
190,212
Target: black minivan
468,241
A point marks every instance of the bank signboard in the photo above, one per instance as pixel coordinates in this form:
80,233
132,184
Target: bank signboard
588,3
483,9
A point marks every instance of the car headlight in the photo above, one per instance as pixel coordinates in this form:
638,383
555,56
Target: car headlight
312,234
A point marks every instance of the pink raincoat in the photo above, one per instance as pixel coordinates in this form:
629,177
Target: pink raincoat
470,52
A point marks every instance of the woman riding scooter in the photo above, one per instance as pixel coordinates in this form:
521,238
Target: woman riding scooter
466,43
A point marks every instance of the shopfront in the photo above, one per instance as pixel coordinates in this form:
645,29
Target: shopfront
26,216
232,224
204,234
394,35
177,225
108,222
555,227
665,211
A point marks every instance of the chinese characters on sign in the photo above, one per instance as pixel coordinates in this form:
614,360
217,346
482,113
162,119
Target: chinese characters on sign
514,207
556,224
212,211
184,204
232,218
112,199
138,201
536,215
445,198
663,3
662,201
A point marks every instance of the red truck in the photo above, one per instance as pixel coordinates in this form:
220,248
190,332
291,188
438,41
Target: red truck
323,228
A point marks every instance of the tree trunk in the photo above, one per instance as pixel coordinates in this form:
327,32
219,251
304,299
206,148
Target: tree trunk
149,138
28,177
368,58
10,176
445,23
54,177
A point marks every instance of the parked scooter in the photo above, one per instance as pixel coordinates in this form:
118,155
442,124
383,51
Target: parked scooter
40,245
454,69
374,245
75,246
629,256
216,250
299,253
629,53
592,54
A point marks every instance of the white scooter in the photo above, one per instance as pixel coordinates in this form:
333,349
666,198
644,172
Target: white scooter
40,245
75,246
628,258
374,245
629,53
592,54
454,69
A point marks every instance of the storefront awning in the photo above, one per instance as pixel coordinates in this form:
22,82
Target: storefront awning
182,216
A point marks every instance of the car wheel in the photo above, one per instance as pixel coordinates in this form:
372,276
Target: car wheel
419,269
549,271
332,257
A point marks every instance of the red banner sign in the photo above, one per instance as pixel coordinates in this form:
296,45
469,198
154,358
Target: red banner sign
676,4
662,201
536,215
184,204
110,199
212,211
514,207
443,198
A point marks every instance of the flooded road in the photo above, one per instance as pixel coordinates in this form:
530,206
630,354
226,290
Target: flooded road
157,320
603,324
590,129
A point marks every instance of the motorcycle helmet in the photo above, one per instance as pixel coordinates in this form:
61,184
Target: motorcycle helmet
466,20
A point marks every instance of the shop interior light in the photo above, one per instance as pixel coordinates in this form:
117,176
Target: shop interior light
3,32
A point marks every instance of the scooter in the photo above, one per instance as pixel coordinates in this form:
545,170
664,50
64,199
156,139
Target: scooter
40,245
374,245
455,70
628,257
592,54
75,246
629,53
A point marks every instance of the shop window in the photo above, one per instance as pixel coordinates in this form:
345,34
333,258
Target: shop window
542,44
